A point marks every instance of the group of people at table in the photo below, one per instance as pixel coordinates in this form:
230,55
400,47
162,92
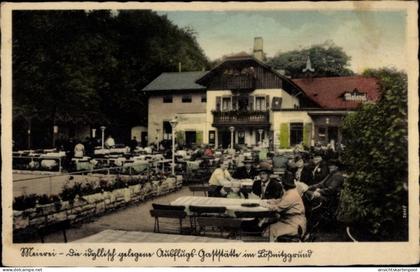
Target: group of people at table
314,180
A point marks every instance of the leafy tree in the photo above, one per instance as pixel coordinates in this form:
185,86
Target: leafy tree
374,196
88,67
327,59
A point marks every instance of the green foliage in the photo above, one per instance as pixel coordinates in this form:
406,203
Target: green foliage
77,67
327,59
284,135
377,156
199,137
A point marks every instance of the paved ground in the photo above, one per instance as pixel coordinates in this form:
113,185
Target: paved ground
137,218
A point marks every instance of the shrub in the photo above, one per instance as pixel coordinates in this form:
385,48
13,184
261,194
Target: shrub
376,154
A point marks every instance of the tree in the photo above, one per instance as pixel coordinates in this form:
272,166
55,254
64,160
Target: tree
88,67
374,196
327,59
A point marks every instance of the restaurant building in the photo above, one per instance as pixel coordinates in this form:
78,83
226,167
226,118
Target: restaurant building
244,100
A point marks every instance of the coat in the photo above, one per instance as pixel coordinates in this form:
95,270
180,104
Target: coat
274,189
330,186
292,215
319,173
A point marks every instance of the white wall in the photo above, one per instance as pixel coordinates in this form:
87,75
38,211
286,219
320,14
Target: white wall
136,132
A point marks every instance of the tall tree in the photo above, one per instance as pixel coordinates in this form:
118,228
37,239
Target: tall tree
88,67
327,59
375,196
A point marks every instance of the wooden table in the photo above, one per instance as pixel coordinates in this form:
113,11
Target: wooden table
232,204
120,236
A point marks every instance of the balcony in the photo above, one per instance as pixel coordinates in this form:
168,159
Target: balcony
241,118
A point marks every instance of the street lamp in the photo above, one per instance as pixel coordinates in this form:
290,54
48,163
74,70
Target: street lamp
232,129
103,135
173,123
260,131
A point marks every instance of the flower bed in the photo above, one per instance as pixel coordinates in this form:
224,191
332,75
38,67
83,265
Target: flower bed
82,201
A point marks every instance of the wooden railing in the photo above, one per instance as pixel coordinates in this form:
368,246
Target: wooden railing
240,117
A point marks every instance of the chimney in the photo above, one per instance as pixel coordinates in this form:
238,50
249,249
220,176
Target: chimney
258,48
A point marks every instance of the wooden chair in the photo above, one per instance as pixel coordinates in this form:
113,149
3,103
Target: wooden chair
248,216
49,228
204,211
222,224
169,212
199,188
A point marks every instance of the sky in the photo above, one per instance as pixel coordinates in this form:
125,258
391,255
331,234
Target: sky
373,39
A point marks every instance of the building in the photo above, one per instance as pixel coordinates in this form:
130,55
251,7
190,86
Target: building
244,100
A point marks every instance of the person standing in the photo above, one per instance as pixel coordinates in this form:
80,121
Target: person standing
79,150
133,144
110,142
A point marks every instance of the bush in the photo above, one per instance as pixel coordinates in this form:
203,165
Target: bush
376,154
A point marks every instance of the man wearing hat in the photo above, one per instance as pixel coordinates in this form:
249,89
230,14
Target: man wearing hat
247,171
266,187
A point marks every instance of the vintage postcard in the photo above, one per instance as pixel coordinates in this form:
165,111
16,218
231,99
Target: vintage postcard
210,134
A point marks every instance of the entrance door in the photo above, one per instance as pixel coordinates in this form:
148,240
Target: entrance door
224,138
190,137
333,134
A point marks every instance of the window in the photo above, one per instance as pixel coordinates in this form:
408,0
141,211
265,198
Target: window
296,133
226,103
186,99
167,99
203,99
241,137
260,103
212,136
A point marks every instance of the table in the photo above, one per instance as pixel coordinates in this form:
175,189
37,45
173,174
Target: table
120,236
232,204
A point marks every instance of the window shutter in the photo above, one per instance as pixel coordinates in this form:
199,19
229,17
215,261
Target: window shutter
267,102
218,103
251,102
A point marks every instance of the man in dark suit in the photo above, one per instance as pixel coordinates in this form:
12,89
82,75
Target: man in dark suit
320,170
245,172
266,187
329,188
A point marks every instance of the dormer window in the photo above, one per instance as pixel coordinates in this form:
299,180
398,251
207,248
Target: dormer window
354,95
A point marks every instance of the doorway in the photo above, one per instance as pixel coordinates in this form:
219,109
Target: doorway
224,138
190,138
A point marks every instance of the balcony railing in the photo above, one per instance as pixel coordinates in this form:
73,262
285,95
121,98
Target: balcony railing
246,118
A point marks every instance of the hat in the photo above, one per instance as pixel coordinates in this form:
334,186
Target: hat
248,161
265,167
288,180
317,159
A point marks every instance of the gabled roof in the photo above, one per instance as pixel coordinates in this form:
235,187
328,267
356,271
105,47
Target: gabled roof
176,81
329,92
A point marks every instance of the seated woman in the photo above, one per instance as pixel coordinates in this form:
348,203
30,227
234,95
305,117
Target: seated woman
291,210
218,179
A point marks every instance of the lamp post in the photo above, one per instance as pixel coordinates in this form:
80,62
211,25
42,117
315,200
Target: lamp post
103,135
173,123
232,129
260,131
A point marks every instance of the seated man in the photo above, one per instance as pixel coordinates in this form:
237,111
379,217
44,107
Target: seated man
328,188
218,179
266,187
245,172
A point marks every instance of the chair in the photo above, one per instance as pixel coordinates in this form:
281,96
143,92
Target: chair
253,217
233,225
199,188
49,228
167,211
204,211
